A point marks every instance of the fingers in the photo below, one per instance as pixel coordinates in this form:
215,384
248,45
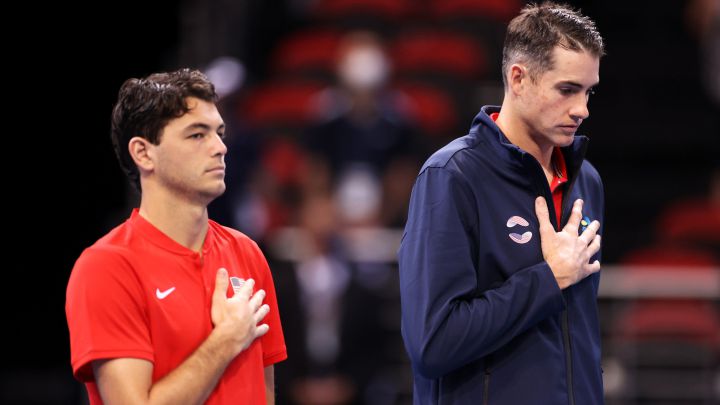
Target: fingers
573,223
260,314
221,285
591,268
257,300
594,246
261,330
543,215
246,289
590,232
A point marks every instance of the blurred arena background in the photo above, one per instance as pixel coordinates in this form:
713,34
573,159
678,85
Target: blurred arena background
332,106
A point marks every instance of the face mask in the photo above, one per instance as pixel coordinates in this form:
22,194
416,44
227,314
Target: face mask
364,68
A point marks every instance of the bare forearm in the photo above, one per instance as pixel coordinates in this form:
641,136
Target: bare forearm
270,385
128,380
194,380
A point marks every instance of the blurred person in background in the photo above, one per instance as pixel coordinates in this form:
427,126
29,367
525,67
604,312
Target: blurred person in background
500,257
333,316
168,307
364,126
703,21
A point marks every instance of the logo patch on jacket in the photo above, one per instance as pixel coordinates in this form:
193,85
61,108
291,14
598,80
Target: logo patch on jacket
584,224
516,237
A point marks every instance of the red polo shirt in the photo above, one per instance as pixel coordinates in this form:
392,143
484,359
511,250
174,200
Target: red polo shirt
137,293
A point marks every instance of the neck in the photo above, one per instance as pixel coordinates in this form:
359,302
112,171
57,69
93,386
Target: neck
520,135
184,222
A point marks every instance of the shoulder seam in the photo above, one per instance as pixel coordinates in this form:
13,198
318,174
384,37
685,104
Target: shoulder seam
452,156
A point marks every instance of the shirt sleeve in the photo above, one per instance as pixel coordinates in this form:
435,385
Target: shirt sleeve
448,318
105,312
273,342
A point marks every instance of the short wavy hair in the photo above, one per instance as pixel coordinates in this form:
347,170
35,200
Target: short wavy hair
145,106
532,36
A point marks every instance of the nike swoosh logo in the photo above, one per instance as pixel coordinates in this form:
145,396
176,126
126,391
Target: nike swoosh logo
162,294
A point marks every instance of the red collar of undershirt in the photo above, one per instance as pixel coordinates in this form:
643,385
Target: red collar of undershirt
558,161
560,176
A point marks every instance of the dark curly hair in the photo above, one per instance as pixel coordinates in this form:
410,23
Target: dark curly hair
145,106
532,36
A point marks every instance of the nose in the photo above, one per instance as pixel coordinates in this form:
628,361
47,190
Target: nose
218,146
579,110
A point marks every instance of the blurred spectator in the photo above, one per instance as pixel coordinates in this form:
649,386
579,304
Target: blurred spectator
703,21
397,185
334,329
243,143
363,120
264,197
694,222
359,195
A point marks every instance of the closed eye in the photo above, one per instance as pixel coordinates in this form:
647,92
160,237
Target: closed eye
568,88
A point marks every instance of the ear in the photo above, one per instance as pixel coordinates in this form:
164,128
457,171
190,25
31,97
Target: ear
142,153
517,78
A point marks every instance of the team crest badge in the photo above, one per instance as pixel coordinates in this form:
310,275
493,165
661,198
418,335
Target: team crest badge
517,237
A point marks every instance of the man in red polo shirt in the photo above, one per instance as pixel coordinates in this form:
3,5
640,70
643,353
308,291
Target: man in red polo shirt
168,307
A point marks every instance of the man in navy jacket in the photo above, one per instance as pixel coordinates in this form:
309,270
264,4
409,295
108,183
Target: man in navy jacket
500,257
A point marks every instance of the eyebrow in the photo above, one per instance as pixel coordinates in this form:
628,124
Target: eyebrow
575,84
201,126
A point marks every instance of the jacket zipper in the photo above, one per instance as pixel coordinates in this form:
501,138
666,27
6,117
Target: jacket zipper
568,353
564,214
565,324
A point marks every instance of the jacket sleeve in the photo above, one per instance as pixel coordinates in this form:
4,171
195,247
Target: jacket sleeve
448,320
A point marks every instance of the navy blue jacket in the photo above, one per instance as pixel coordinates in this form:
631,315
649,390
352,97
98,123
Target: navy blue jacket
483,319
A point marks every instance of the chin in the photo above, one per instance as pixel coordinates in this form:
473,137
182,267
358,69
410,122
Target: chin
219,191
213,193
564,140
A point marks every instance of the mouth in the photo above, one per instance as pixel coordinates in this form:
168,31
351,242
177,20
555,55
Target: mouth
217,169
569,129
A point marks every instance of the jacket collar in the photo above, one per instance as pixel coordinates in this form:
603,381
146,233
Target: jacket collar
486,130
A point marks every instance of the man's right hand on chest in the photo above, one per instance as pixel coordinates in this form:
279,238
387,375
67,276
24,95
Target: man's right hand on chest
567,252
236,319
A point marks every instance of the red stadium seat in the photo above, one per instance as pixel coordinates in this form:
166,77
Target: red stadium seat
501,10
691,221
439,52
314,50
668,339
284,160
687,320
670,317
281,104
669,255
431,108
389,9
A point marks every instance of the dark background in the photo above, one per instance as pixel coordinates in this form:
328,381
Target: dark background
654,138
